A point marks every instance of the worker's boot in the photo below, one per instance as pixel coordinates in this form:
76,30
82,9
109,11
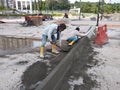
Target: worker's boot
71,43
54,50
42,52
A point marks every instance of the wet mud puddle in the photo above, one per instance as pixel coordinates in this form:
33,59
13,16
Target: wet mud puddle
13,45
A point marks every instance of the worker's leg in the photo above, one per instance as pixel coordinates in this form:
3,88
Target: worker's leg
28,22
73,41
44,39
70,39
54,47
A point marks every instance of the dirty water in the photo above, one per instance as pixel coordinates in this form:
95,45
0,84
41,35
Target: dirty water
14,45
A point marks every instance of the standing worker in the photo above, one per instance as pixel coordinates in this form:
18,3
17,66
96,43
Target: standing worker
65,15
49,33
28,21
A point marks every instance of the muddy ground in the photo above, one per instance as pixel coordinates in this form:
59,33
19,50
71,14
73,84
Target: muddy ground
78,72
39,70
89,73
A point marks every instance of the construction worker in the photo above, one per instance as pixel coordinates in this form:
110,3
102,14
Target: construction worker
49,33
74,35
28,21
65,15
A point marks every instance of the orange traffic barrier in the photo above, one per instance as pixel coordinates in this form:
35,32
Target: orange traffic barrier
102,37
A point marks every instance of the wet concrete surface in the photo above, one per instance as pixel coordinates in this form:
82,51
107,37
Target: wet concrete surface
79,70
37,72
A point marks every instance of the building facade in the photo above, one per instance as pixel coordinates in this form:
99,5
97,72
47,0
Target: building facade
19,5
23,5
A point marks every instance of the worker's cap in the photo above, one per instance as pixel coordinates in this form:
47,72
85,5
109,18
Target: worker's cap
62,25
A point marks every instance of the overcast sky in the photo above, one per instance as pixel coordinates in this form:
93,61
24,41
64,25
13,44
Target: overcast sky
107,1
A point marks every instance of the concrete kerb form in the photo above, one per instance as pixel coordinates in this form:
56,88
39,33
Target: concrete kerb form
53,80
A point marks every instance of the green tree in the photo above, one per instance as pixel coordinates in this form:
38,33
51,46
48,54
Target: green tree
58,4
93,8
77,4
118,7
2,7
64,4
108,8
86,7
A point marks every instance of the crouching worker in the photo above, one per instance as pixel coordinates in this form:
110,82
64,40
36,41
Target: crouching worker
74,35
49,33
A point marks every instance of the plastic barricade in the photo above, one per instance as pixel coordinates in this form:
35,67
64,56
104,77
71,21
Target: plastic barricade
102,37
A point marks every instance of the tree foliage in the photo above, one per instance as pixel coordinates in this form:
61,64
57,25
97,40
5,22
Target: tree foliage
2,7
92,7
57,4
86,7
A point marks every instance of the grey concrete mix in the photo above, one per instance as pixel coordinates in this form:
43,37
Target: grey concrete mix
74,63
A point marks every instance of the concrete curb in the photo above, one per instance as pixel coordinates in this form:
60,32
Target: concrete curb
53,80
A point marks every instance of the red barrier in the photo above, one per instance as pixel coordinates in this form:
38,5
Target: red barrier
102,37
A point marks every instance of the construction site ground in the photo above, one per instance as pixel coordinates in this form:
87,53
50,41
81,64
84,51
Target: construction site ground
18,67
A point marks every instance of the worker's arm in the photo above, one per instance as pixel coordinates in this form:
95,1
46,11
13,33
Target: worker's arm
50,31
80,34
58,38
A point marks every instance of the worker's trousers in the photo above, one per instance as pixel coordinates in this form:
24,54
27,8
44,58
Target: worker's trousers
44,39
74,39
